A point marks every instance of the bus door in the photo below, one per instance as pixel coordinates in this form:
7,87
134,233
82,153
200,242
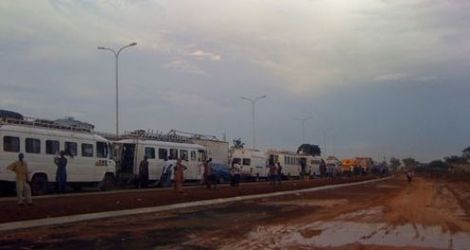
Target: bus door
127,160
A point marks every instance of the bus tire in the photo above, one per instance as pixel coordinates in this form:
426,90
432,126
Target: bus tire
39,184
107,183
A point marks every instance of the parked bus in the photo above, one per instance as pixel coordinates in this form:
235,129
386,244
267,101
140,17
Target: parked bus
252,163
41,141
291,163
130,152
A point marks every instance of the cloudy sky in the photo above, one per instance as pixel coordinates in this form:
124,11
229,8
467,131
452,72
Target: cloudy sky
379,77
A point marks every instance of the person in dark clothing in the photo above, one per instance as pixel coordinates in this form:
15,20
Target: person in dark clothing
303,168
208,176
61,173
279,173
144,173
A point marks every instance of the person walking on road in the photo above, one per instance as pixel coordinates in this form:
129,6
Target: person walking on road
409,175
61,172
207,173
179,175
235,174
272,172
279,173
23,189
165,178
144,173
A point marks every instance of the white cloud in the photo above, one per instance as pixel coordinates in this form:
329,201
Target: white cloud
184,66
203,55
390,77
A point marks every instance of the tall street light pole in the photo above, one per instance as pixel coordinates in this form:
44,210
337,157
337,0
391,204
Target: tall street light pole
253,102
116,55
303,120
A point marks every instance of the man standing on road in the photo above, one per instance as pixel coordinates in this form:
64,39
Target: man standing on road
272,172
207,173
61,172
279,173
23,189
165,179
235,172
179,175
409,175
144,173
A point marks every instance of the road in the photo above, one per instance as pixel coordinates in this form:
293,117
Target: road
426,214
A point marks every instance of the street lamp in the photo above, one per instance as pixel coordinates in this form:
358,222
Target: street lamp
116,55
303,120
253,102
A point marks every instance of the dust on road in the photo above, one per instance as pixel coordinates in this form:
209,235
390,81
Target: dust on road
428,214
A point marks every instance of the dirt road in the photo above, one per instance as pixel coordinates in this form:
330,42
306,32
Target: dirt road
428,214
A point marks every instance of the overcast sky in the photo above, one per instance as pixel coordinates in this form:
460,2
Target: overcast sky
379,77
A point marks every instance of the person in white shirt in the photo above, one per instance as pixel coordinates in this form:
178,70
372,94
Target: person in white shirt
165,179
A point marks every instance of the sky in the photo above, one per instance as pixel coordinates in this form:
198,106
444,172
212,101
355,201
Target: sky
378,78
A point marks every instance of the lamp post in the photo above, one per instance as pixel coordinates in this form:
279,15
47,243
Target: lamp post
116,55
303,120
253,102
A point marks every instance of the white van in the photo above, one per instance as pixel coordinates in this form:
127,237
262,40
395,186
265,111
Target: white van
132,151
91,162
252,163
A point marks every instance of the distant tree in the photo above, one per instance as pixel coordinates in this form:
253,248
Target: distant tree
409,162
452,160
466,153
438,165
237,144
394,163
309,149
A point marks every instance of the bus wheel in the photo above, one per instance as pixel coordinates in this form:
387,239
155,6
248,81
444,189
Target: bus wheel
39,184
107,183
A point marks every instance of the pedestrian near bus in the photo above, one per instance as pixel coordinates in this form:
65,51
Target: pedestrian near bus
207,173
279,173
61,172
235,174
165,178
272,172
179,175
23,189
144,173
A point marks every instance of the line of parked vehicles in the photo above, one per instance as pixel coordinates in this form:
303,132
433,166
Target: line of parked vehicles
99,159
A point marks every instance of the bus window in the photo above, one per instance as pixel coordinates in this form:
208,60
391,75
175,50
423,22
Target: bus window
201,155
193,155
162,153
11,144
246,162
184,154
173,153
286,160
236,160
150,153
87,150
33,146
52,147
101,150
71,148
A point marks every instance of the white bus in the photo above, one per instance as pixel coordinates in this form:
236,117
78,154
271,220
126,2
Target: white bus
91,162
291,163
252,163
132,151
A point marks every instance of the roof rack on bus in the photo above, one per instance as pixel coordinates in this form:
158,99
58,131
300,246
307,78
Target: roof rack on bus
44,123
148,135
193,135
